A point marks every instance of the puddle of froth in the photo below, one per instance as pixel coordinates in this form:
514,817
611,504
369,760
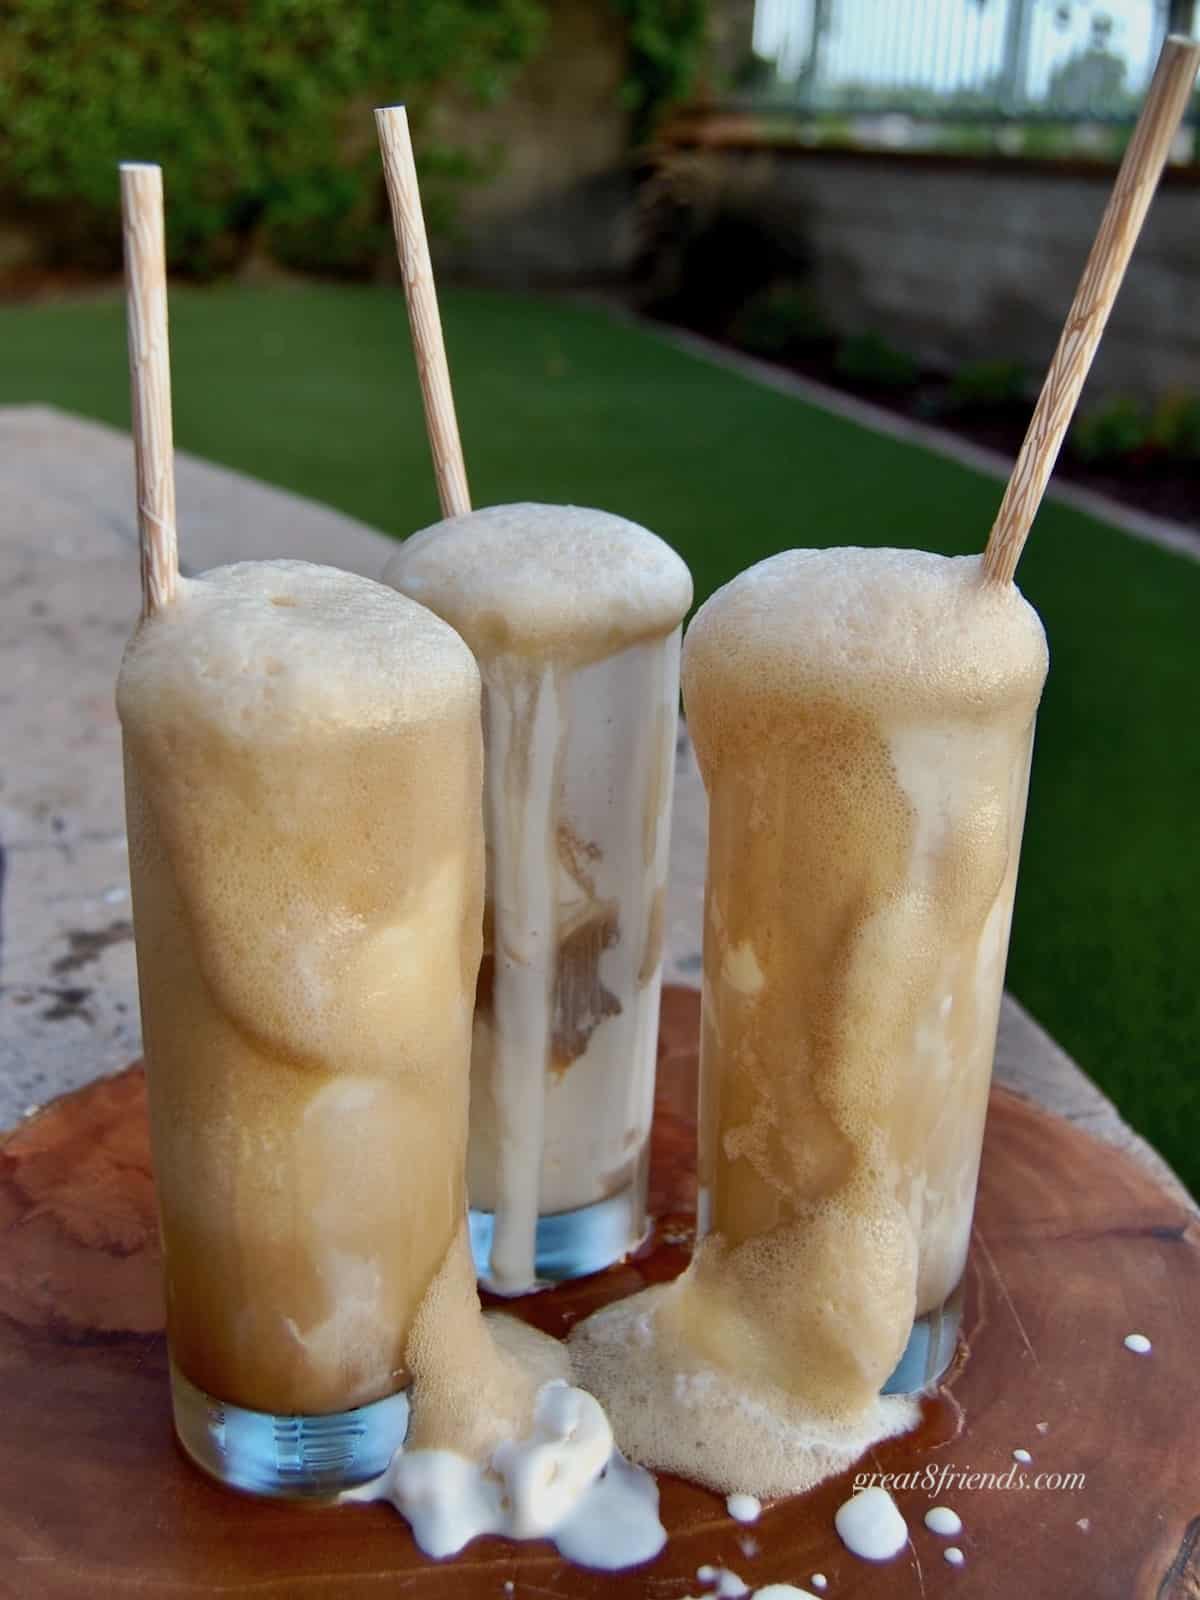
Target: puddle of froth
676,1413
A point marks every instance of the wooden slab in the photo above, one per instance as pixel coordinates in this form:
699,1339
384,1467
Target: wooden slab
1075,1247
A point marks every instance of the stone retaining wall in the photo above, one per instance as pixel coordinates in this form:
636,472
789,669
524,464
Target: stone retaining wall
961,260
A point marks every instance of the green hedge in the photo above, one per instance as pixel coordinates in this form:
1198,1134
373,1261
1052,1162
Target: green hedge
259,111
666,44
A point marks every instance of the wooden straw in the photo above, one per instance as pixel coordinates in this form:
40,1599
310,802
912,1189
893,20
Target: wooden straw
412,247
150,380
1122,221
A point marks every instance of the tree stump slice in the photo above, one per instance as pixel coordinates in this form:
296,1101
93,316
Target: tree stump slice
1074,1248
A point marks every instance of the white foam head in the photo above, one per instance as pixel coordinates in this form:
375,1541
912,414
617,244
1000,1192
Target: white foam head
893,628
889,630
262,650
545,580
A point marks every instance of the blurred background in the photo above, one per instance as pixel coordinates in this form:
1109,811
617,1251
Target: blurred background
891,197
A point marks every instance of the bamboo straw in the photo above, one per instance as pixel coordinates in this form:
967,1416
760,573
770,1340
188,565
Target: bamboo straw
1136,181
150,381
412,246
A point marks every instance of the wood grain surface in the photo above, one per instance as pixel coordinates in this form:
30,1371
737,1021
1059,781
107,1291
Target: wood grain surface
1074,1248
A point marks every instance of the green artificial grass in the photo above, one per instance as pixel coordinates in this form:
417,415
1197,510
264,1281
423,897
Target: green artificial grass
313,388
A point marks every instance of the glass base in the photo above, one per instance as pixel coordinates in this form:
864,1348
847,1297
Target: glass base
930,1348
291,1458
572,1244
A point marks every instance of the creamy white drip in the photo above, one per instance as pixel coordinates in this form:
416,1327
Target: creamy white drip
562,1481
942,1520
743,1507
546,1141
869,1524
726,1584
525,737
573,615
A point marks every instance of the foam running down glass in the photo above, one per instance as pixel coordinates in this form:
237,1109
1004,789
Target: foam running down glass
863,720
574,616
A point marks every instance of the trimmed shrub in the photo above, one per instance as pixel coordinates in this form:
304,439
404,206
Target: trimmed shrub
259,111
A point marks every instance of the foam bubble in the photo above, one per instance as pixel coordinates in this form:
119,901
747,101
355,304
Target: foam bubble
944,1521
726,1584
869,1524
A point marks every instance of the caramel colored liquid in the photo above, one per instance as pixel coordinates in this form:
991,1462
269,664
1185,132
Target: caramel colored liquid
862,866
851,992
307,876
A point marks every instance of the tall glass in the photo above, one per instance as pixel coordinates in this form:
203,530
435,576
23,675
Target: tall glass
303,774
863,721
574,617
